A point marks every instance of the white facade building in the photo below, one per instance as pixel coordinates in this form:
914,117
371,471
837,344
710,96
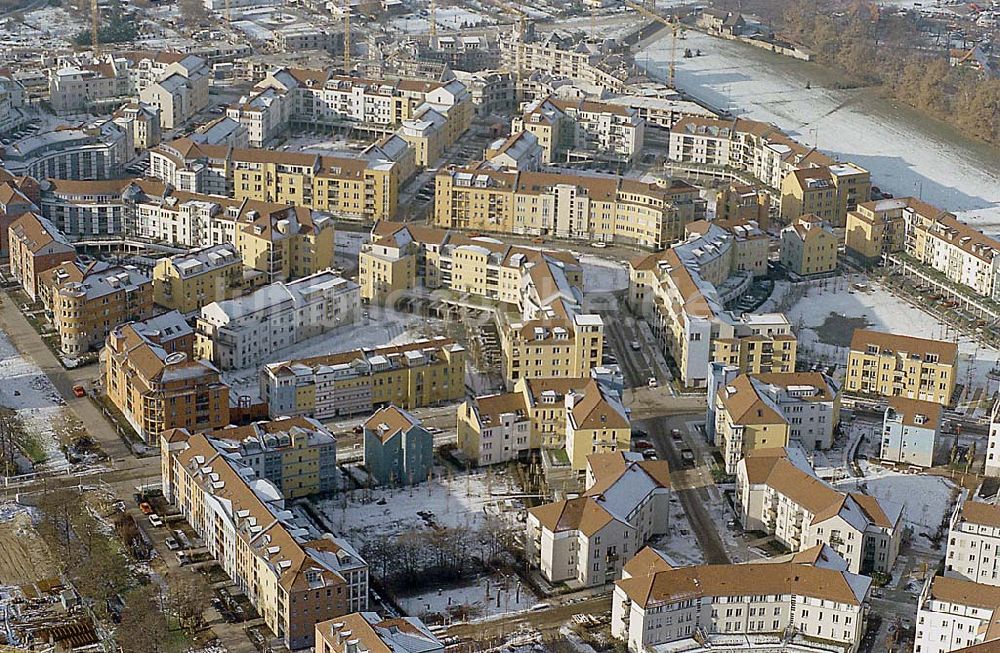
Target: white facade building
587,540
243,332
953,614
974,543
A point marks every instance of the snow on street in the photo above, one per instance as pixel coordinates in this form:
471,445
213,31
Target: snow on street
905,155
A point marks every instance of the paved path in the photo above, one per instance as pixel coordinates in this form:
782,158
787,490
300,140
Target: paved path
31,346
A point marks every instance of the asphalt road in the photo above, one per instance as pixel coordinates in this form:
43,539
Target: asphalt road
693,498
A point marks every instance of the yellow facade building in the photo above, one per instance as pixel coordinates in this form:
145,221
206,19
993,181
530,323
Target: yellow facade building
599,207
809,246
875,228
409,376
829,192
888,365
187,282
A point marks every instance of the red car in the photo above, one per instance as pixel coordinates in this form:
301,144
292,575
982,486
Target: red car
79,391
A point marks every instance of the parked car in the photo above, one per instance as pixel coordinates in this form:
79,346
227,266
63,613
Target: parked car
652,382
675,435
636,345
172,544
599,244
155,520
79,391
687,456
649,454
146,508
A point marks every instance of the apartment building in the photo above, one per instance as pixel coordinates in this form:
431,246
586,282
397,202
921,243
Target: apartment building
294,576
85,209
89,86
247,331
777,492
564,56
828,192
495,428
98,150
809,246
367,631
953,614
398,450
585,541
266,115
157,389
874,229
85,310
221,131
911,431
179,91
297,454
992,467
582,130
13,101
17,197
888,365
761,411
187,282
805,179
660,107
422,373
34,245
744,203
350,187
600,207
973,538
682,293
745,607
143,120
964,255
519,151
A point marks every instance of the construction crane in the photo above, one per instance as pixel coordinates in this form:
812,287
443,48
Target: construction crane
434,29
229,11
95,19
347,37
675,26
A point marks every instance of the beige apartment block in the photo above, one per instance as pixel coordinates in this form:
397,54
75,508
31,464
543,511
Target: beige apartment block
681,292
571,130
809,246
874,229
586,541
35,246
187,282
600,207
85,311
356,187
293,580
828,192
888,365
157,389
778,492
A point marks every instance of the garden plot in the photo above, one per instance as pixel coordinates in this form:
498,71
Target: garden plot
38,407
927,500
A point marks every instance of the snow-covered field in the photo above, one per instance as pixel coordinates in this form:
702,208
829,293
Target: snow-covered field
458,501
680,543
382,328
884,312
905,155
39,407
487,597
927,500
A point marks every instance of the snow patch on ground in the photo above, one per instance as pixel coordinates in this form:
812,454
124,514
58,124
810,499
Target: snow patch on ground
30,394
927,500
456,501
486,597
603,275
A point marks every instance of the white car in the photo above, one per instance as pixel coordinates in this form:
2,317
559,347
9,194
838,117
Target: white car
636,345
599,244
653,382
155,520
